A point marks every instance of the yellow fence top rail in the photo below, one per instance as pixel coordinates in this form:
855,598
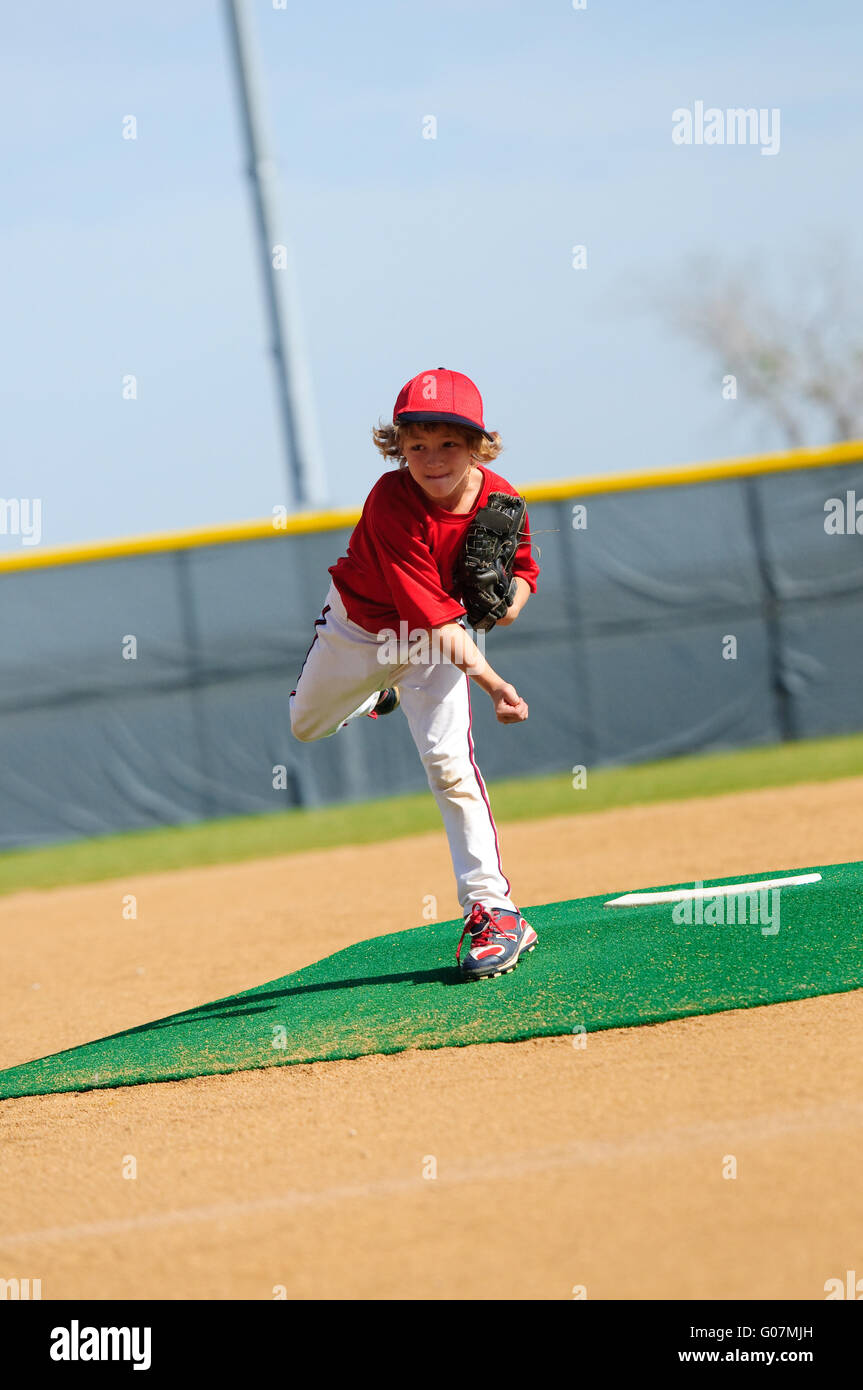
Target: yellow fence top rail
301,523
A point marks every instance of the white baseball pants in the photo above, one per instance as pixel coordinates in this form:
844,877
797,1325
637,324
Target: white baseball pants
341,680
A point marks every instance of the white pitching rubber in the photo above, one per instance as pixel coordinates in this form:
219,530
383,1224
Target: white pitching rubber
716,890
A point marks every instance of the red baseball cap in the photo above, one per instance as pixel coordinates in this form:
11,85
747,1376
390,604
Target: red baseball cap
436,396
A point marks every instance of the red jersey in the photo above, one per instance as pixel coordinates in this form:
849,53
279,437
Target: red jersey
401,556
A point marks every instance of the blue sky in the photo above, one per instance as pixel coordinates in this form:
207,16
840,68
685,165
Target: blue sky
554,128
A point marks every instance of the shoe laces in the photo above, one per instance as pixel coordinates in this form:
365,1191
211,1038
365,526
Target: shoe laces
481,924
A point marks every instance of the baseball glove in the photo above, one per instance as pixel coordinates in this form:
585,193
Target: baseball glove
484,569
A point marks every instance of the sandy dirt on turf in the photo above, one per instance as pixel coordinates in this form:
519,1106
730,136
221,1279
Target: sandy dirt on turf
525,1170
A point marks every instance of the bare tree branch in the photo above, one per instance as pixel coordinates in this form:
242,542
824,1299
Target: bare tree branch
796,350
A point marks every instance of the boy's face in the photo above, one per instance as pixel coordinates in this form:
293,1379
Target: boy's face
439,461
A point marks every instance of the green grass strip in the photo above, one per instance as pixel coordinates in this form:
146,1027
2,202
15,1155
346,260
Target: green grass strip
595,967
232,840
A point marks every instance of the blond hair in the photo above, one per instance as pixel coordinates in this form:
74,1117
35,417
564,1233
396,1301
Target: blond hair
389,440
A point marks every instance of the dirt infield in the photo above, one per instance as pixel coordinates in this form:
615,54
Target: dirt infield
556,1166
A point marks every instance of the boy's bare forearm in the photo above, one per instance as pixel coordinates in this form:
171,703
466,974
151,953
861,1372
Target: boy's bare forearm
522,594
458,646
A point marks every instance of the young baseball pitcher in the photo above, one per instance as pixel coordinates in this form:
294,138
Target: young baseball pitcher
440,540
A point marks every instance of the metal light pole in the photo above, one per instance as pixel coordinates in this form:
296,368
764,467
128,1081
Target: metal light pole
293,384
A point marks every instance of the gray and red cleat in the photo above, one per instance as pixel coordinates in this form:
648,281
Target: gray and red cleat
497,939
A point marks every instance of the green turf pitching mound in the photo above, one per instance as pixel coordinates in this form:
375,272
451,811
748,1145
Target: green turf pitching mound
596,967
